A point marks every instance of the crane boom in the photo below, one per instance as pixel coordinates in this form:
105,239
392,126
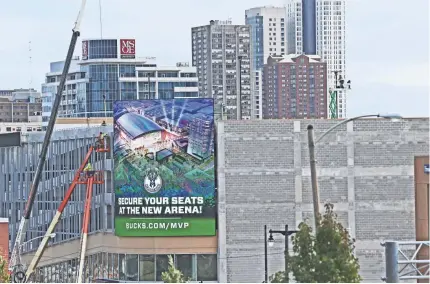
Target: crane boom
22,230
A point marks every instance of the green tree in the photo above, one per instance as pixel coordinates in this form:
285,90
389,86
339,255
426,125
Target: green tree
173,275
278,277
4,273
326,258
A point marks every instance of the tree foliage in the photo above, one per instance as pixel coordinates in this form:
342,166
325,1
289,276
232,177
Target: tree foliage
326,258
278,277
173,275
4,272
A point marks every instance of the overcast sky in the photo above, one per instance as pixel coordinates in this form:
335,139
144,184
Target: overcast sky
387,41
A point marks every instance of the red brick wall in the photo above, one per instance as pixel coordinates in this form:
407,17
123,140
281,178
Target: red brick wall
4,238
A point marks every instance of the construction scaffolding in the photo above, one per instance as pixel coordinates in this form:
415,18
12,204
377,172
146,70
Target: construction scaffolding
400,266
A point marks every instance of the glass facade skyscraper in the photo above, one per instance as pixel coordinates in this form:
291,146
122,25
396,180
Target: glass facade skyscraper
106,72
257,45
268,38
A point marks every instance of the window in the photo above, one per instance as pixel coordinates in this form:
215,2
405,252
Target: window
131,269
184,262
147,268
206,267
161,264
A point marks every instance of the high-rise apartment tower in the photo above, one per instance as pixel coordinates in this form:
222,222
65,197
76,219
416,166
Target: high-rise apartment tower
330,36
222,54
269,33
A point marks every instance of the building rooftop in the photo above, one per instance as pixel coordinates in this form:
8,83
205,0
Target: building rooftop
291,58
136,125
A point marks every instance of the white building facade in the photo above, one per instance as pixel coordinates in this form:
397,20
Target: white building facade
9,127
330,38
269,33
93,82
257,109
222,55
164,82
268,37
74,91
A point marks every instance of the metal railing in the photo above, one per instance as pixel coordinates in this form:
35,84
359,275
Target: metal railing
400,266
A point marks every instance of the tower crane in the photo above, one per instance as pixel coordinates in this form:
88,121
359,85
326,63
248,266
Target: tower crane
22,229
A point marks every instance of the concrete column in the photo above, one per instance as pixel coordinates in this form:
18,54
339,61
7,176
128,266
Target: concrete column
222,218
351,177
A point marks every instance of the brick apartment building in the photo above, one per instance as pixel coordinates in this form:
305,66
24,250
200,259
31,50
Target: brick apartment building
295,86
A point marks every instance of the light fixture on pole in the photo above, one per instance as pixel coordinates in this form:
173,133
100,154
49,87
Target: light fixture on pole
312,159
271,242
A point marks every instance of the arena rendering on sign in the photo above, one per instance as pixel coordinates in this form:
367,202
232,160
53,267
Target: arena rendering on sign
164,168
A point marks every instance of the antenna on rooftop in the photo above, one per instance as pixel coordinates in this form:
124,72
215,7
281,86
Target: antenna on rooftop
30,66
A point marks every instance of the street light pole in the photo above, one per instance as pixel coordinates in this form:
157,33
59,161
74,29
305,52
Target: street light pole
311,144
266,276
271,241
240,87
286,252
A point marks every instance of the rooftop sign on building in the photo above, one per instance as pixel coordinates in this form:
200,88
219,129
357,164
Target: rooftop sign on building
127,48
108,49
85,50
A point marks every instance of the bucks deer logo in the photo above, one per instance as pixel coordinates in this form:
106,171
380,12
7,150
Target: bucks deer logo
152,181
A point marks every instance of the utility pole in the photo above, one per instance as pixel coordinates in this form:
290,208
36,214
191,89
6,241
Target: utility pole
314,181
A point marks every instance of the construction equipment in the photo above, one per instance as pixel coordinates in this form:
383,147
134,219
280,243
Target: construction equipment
85,223
339,85
22,230
81,177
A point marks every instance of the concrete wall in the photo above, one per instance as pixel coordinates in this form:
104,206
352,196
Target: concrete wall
366,168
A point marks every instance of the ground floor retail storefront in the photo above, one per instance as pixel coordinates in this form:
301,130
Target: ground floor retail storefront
130,267
128,259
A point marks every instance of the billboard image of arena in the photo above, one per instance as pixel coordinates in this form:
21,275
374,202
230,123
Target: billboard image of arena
164,175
